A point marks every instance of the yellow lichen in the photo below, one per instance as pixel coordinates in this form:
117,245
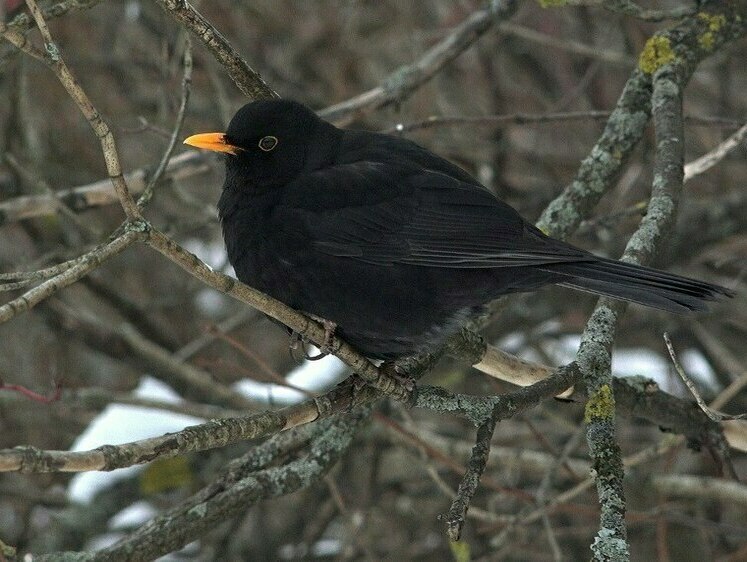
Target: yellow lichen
166,474
460,551
656,53
705,40
601,405
713,22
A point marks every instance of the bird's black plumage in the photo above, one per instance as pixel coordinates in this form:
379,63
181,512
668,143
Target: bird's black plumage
392,243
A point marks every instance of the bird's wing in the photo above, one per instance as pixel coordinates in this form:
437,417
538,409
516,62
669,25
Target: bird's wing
387,214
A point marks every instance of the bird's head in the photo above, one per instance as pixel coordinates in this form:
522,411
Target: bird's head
270,141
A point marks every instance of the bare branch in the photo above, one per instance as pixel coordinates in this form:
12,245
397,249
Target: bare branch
566,44
85,264
245,77
403,81
108,146
99,193
628,122
710,159
712,414
298,322
701,487
629,8
166,158
209,435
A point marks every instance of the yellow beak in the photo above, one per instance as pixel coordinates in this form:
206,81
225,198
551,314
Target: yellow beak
212,141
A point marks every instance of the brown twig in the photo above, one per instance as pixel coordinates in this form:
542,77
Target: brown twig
147,194
710,159
403,81
245,77
55,62
83,265
629,8
468,485
30,394
711,413
568,45
99,193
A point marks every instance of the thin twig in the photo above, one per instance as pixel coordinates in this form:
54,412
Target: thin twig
408,78
85,264
710,159
494,120
468,486
165,159
245,77
39,274
568,45
21,42
56,63
80,198
629,8
641,457
712,414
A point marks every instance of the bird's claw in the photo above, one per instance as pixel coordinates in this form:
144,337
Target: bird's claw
394,371
325,349
329,336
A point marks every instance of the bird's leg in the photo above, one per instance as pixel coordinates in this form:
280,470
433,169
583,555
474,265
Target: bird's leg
294,344
299,342
329,335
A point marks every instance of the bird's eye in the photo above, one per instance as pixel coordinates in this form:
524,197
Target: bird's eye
267,143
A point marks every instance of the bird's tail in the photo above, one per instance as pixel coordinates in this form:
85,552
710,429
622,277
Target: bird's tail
639,284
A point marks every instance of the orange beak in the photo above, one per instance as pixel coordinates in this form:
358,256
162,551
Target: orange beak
212,141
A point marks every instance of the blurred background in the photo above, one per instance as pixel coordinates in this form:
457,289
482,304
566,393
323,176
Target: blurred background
103,336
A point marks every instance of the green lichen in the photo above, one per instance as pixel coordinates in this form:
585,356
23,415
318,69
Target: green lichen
656,53
552,3
601,405
714,23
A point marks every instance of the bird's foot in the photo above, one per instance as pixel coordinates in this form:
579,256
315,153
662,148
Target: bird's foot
294,344
297,342
392,369
329,336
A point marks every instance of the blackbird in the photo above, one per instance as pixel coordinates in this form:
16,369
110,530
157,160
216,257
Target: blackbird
392,244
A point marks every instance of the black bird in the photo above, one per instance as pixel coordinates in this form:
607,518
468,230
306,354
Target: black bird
391,243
